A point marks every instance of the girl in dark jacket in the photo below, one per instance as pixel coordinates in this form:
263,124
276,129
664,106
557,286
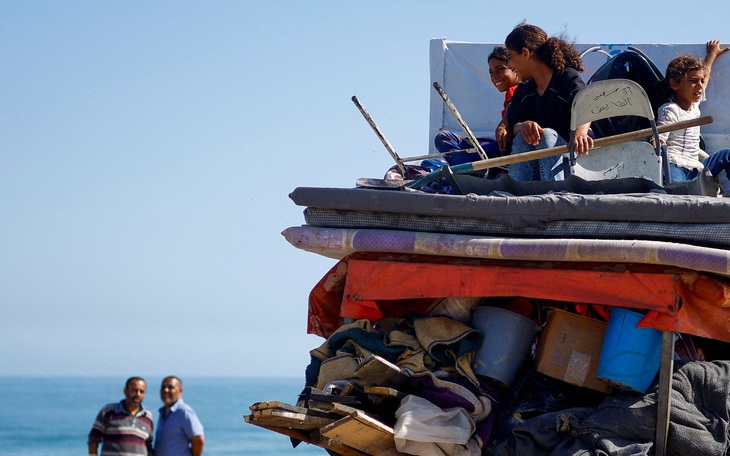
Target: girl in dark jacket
539,113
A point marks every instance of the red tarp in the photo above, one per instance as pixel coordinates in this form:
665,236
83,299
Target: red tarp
376,285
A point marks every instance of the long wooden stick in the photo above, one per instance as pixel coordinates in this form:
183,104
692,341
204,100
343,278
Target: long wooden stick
466,168
664,398
461,121
386,143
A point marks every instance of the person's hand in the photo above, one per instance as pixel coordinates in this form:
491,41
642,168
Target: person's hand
502,136
582,142
714,49
653,143
531,132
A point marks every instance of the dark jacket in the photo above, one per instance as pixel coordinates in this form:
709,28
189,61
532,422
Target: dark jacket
552,109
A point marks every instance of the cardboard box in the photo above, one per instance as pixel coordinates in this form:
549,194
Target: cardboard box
569,349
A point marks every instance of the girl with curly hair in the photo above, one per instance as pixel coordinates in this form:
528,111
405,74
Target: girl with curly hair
539,113
683,86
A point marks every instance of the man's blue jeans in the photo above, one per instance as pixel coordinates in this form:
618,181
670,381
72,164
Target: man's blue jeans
546,169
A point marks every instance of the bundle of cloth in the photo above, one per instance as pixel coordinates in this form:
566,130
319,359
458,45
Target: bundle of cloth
443,393
624,424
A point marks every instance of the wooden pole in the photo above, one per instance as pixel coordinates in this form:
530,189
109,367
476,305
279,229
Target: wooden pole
664,395
466,168
459,119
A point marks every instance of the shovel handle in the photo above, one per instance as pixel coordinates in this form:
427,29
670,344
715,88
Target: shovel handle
559,150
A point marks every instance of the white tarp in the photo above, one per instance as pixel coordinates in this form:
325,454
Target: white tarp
461,69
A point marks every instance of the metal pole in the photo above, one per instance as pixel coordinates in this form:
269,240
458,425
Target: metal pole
457,116
380,134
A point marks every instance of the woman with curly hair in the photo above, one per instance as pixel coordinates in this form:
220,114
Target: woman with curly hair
539,112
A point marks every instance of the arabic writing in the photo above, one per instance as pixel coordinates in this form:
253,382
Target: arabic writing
613,101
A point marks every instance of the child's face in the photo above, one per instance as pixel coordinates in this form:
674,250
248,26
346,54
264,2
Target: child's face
503,77
519,61
689,88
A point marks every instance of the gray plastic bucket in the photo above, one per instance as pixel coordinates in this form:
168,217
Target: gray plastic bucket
508,337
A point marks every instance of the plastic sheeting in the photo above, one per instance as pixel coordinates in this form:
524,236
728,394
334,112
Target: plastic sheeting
425,429
380,285
461,69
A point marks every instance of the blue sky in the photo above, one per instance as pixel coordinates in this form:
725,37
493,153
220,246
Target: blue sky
147,150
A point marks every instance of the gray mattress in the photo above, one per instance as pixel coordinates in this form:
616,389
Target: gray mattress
690,219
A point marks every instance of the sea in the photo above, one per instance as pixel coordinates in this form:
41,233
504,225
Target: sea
44,416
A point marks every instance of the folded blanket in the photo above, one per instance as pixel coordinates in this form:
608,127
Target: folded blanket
450,342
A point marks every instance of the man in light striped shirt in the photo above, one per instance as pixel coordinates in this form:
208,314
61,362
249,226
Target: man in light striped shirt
124,428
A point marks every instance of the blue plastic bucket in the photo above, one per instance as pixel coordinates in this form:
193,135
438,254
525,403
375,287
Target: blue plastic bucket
630,356
508,337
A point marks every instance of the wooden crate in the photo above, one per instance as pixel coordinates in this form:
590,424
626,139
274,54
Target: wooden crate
362,433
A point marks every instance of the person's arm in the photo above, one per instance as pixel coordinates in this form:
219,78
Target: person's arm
668,113
713,51
502,133
196,444
150,450
516,114
570,83
96,435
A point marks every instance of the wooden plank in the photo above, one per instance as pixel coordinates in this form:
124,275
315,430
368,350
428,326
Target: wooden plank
307,438
333,408
338,448
323,407
276,405
293,433
664,396
384,391
345,410
284,418
347,389
363,433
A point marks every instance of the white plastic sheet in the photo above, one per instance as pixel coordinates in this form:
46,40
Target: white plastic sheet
461,69
423,428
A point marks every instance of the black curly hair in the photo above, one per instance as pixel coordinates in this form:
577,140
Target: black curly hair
499,53
556,52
